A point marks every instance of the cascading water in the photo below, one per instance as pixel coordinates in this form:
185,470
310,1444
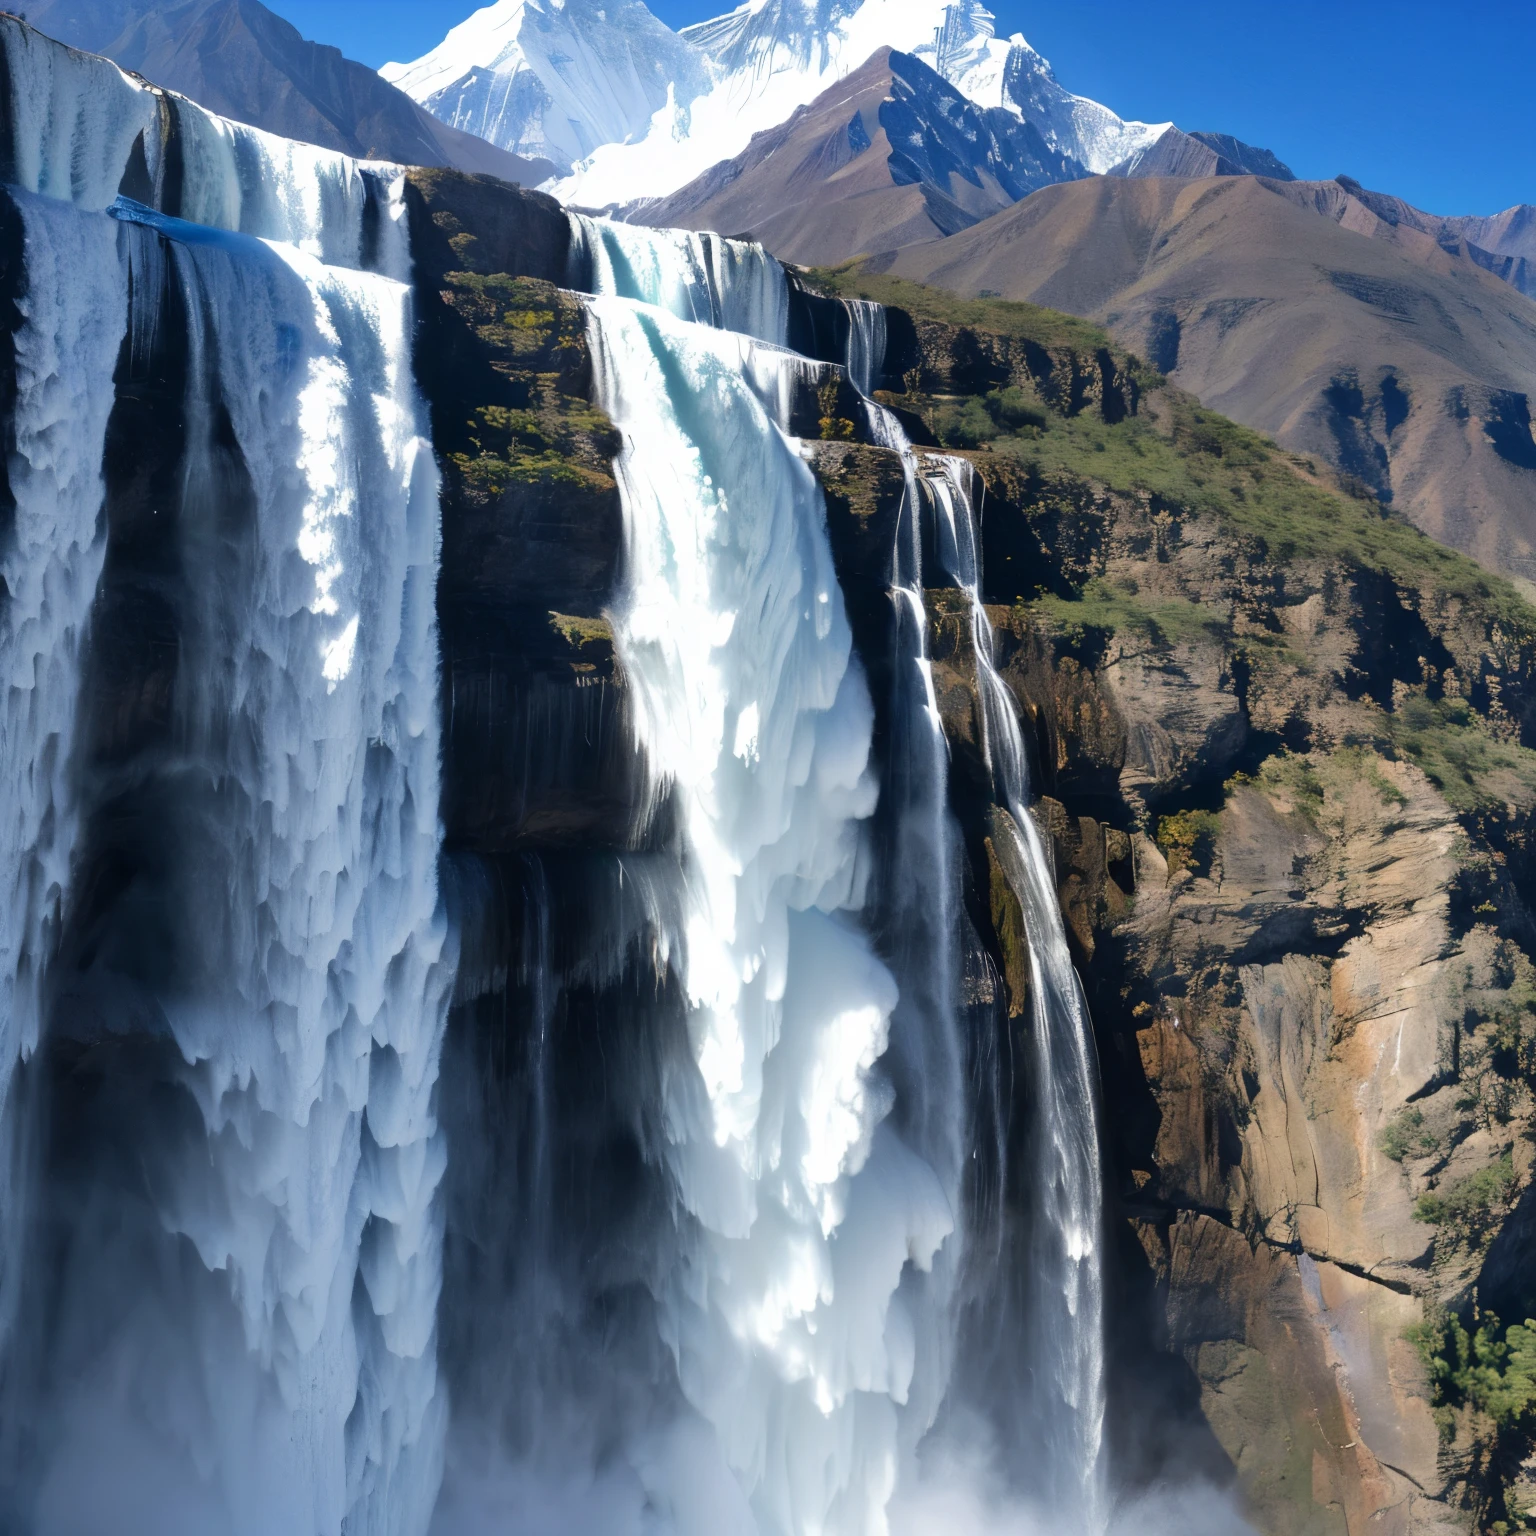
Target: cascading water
866,353
917,902
252,1350
223,1217
791,1333
728,284
1064,1288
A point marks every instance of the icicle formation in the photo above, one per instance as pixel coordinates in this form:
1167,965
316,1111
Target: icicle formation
74,311
1066,1282
240,178
83,131
74,119
791,1337
314,1042
730,284
311,1021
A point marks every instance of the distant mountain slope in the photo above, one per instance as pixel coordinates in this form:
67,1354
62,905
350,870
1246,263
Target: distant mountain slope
890,155
1504,244
663,107
1394,359
239,59
1177,153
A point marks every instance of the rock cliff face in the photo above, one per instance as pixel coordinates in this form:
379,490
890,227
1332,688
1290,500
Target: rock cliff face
1285,748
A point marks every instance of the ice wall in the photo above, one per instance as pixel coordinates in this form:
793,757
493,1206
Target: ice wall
248,1344
73,314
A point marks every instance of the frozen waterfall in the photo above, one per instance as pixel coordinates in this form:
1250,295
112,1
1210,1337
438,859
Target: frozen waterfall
253,1349
74,313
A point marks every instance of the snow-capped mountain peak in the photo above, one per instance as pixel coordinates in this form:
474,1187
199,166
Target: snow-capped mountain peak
1073,125
632,110
559,77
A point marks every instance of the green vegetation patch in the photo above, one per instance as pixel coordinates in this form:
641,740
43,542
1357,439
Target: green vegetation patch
978,419
834,428
522,448
1468,1207
1206,464
1290,778
1406,1135
1188,839
520,316
579,632
1460,755
1003,317
1492,1370
1112,607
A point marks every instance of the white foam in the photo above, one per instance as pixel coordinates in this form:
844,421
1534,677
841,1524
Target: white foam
789,1335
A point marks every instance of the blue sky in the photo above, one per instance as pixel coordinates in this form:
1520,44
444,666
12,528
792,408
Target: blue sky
1434,102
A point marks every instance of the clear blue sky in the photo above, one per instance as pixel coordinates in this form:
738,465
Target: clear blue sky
1434,102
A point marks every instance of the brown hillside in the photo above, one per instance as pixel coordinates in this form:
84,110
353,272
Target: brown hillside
1396,360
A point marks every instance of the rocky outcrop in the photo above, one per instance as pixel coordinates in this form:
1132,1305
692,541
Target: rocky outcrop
1308,968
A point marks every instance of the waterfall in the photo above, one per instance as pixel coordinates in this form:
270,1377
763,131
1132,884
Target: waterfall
866,346
1064,1291
244,1339
918,898
730,284
793,1333
226,964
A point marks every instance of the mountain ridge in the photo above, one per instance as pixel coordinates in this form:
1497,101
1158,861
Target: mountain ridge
1405,364
890,154
738,74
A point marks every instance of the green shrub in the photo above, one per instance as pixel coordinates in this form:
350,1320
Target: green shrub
1491,1370
834,428
1459,754
1405,1135
964,425
1289,776
1016,411
1467,1207
1188,839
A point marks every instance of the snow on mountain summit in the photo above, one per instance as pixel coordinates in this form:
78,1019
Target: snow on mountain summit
558,77
631,110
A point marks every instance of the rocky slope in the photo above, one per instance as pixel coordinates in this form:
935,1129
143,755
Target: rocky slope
1286,749
1401,363
889,156
1285,744
1501,243
1178,153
